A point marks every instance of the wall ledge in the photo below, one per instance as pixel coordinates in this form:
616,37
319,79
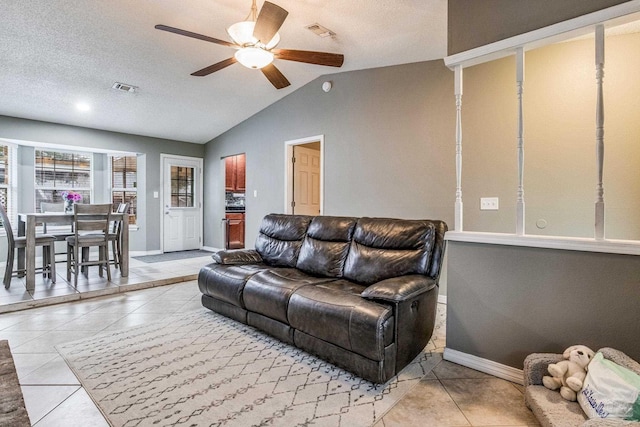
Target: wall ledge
485,365
553,33
625,247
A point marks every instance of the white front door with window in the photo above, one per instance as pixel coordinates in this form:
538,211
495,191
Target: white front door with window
182,204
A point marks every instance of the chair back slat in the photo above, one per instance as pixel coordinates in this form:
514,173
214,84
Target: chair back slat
51,207
92,225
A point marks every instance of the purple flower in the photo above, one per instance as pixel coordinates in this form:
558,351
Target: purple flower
71,196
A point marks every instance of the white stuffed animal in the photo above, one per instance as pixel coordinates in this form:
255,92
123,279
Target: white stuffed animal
568,375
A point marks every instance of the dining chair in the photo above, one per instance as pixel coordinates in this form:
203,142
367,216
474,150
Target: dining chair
59,232
46,207
87,220
47,242
115,234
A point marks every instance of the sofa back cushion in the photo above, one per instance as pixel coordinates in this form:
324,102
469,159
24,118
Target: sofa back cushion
383,248
324,250
280,238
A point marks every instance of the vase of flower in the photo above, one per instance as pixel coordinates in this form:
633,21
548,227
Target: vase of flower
70,198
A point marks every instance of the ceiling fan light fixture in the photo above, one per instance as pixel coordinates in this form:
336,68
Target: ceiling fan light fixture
254,57
242,33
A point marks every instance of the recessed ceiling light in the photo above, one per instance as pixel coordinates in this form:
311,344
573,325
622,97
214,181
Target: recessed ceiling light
83,106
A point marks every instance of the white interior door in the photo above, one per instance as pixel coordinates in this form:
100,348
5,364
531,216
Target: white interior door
306,181
182,216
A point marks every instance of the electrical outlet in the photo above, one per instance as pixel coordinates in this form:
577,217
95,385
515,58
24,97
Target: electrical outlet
489,204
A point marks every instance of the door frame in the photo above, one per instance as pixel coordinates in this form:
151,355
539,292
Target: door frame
200,176
288,170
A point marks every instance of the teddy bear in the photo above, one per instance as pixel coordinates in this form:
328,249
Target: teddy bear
568,375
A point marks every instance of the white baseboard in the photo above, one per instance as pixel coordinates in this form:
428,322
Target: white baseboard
210,249
442,299
143,253
484,365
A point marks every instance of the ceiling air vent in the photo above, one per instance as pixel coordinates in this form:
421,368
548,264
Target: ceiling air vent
124,87
320,31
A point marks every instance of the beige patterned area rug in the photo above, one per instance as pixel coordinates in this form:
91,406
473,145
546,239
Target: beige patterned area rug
203,369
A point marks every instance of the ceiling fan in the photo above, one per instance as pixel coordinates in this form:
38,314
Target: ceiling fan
255,40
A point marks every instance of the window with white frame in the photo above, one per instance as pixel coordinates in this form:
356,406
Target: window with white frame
5,179
124,183
58,172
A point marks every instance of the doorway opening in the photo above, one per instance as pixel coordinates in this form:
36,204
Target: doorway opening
304,176
235,168
181,218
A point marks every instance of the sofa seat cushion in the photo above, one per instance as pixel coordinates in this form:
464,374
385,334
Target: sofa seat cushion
343,319
344,286
268,292
227,282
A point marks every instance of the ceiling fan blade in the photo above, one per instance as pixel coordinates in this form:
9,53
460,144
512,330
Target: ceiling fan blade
194,35
277,79
269,22
310,57
215,67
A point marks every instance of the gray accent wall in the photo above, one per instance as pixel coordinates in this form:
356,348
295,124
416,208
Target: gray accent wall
147,237
505,302
473,23
389,147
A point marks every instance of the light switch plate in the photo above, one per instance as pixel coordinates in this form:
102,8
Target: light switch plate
489,204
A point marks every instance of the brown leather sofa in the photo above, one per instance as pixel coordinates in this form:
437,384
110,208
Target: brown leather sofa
358,292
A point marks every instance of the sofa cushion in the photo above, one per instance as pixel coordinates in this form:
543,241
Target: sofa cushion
268,292
326,245
226,282
280,238
383,248
344,286
346,320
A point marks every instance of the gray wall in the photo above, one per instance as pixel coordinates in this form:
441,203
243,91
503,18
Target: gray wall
389,147
506,302
559,138
473,23
147,238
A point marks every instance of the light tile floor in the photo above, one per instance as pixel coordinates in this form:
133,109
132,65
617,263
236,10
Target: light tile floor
451,395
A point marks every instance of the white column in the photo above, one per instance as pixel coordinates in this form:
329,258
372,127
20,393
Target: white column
458,93
599,217
520,194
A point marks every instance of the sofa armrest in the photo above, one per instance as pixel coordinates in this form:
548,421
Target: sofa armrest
237,257
536,365
398,289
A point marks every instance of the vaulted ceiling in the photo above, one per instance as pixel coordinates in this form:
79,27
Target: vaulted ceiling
55,54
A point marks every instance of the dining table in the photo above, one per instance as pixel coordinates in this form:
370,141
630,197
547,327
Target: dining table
27,223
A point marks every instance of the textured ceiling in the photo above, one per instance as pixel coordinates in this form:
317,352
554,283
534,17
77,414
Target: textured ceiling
56,53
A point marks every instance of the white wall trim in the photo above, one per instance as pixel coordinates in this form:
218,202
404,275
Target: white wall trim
564,30
210,249
626,247
485,365
442,299
288,169
144,253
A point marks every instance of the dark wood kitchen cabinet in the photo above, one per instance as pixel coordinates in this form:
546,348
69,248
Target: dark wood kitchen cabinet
235,169
235,230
